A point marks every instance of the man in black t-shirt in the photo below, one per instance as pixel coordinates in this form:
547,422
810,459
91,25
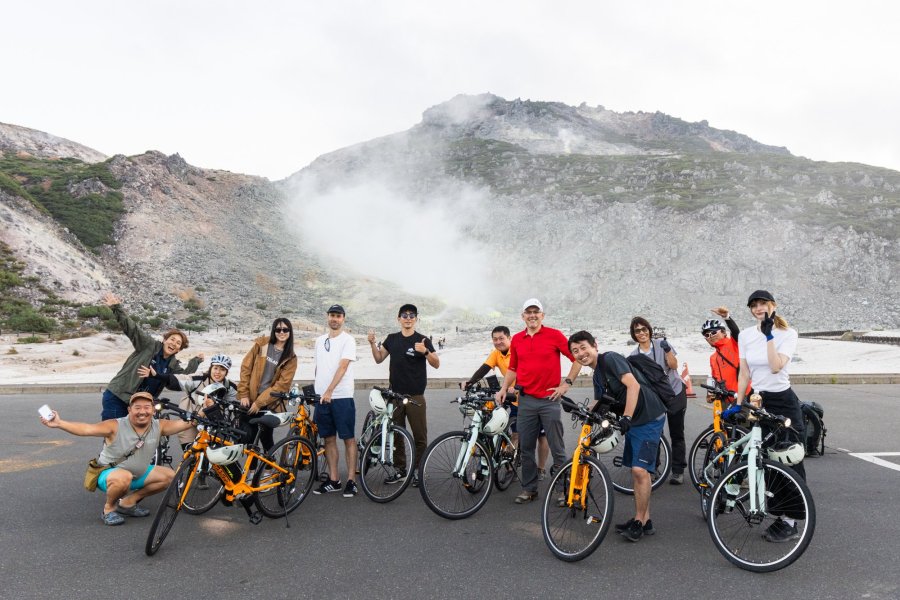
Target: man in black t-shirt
409,352
641,423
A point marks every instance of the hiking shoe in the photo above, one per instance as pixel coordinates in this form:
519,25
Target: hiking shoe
350,489
779,532
132,511
676,479
397,477
112,518
525,497
648,526
329,487
634,531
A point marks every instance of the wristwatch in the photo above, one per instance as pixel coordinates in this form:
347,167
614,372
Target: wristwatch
427,352
568,381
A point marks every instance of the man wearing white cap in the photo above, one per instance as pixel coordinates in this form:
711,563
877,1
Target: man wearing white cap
534,365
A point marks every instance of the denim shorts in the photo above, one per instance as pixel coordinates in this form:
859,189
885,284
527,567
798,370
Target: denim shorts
338,416
136,483
646,439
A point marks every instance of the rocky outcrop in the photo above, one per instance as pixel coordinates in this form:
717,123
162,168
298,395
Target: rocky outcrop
14,138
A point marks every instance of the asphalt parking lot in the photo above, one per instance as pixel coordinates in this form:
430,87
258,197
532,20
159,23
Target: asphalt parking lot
54,545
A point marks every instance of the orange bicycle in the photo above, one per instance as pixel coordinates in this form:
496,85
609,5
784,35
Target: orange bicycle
281,478
714,438
303,423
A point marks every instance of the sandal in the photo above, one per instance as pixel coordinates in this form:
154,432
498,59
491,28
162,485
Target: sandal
132,511
112,518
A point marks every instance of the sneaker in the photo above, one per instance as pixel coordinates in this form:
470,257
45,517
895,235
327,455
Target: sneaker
648,526
350,489
541,474
112,518
634,531
676,479
329,487
397,477
779,532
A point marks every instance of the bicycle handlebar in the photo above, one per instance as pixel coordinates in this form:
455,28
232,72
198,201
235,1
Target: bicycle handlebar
301,397
392,395
719,390
186,415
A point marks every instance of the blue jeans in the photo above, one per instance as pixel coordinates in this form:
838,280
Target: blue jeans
113,407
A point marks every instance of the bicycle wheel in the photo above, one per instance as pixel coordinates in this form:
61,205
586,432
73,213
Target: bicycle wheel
743,537
697,455
444,491
508,464
296,455
321,461
363,439
620,476
206,489
574,532
383,480
170,506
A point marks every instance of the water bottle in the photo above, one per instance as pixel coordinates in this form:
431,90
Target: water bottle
295,393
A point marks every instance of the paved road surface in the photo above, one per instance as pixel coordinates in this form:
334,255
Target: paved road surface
53,543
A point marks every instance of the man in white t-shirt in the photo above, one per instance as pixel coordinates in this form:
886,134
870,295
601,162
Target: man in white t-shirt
336,413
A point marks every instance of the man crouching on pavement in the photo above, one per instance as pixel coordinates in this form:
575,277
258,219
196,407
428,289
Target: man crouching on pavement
129,444
641,423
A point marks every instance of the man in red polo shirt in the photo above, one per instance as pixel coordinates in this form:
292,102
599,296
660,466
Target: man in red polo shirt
534,365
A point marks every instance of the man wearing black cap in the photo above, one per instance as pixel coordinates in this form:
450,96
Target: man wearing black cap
336,413
409,351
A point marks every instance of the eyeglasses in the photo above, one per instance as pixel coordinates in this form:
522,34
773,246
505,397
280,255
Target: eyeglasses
282,330
709,334
408,315
327,344
641,329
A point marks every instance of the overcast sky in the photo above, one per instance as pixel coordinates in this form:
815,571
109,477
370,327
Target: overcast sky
264,88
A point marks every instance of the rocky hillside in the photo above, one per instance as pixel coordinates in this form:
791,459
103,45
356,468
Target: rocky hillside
602,215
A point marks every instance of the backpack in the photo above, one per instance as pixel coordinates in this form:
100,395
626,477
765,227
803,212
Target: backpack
648,372
815,428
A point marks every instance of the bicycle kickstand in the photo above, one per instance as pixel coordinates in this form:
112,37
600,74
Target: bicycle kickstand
280,493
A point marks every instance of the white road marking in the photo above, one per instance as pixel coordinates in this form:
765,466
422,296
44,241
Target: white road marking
872,457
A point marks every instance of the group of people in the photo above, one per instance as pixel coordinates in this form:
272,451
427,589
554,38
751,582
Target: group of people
528,361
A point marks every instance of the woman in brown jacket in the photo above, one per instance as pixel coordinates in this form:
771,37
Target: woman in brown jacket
268,367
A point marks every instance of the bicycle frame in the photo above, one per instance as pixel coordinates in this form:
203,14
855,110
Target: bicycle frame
384,421
581,472
752,445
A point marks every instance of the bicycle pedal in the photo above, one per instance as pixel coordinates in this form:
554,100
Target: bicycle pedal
592,520
256,518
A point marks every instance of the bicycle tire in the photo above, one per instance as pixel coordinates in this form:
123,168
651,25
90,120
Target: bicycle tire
199,499
296,455
620,477
161,455
374,471
740,537
169,507
445,493
574,533
507,466
697,454
364,436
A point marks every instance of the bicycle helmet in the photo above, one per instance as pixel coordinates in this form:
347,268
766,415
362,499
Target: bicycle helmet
710,325
225,455
221,360
607,443
788,453
498,421
376,401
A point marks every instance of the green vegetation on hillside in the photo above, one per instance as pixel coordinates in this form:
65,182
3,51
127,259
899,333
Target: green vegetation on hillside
47,184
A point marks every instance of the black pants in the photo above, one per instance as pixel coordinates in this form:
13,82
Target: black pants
676,433
787,405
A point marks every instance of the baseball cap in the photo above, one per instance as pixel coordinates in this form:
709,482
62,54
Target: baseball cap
336,308
532,302
760,295
140,396
407,308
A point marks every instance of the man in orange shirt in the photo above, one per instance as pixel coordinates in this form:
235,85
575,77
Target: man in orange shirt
499,359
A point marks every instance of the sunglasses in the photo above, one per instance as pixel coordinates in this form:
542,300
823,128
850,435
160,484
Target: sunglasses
641,329
709,334
408,315
282,330
327,344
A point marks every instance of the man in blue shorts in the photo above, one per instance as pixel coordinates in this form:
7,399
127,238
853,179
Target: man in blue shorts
642,423
129,444
336,413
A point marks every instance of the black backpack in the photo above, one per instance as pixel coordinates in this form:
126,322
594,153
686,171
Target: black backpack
815,428
654,376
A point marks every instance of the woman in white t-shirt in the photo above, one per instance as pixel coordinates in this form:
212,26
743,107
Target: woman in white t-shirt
766,352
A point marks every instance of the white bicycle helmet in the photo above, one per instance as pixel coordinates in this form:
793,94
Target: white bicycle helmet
608,443
711,325
498,421
376,401
225,455
221,360
787,453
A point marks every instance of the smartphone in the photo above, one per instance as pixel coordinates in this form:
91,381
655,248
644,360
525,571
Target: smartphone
46,413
